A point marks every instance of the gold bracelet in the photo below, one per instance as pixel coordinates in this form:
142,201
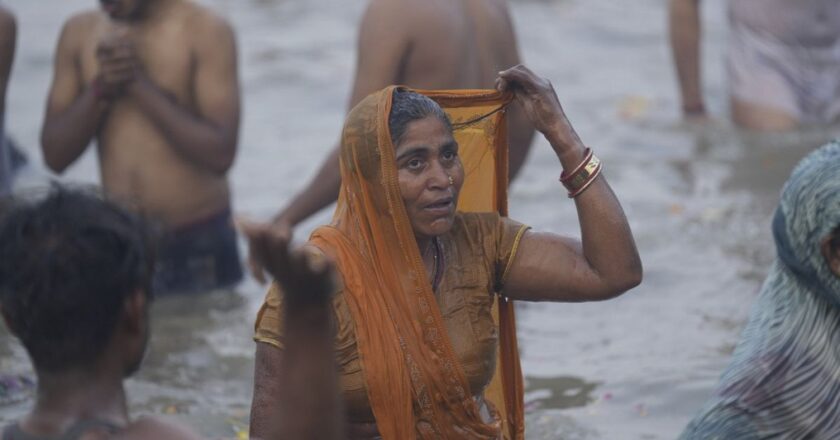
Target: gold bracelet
583,175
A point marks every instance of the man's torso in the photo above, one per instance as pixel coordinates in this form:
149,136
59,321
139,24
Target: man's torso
137,161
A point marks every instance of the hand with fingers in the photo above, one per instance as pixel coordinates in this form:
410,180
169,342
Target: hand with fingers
118,65
256,263
540,103
305,274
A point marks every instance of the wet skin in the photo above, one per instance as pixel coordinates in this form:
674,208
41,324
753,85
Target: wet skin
427,156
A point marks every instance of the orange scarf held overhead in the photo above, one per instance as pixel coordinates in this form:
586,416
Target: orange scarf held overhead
416,386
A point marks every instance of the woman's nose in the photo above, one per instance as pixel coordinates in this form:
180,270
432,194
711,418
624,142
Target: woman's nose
439,177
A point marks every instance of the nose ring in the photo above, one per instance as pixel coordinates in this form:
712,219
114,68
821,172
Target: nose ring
451,181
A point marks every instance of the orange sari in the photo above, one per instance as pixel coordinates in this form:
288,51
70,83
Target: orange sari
416,386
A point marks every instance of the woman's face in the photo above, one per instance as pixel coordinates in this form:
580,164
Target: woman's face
427,156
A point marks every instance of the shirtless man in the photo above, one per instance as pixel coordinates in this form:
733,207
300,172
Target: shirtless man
156,83
783,61
8,35
428,44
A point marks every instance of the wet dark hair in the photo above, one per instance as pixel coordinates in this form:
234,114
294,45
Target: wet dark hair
67,263
408,106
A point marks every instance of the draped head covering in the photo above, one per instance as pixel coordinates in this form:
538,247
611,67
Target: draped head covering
783,380
416,387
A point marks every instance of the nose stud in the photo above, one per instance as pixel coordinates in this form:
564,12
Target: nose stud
451,181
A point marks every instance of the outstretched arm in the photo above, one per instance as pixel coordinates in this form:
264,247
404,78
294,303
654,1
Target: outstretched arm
684,22
549,267
296,389
382,44
206,135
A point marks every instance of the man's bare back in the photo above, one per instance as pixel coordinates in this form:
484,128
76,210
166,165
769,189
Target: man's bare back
165,141
428,44
440,44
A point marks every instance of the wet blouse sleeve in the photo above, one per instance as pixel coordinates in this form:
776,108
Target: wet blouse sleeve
508,236
500,237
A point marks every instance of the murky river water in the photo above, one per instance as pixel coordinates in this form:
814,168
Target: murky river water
699,200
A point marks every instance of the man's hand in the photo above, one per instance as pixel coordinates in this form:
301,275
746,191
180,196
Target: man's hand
118,65
305,274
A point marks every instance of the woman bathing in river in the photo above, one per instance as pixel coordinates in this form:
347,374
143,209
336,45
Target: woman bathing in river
416,339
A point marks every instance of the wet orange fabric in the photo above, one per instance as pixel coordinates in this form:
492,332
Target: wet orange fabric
416,386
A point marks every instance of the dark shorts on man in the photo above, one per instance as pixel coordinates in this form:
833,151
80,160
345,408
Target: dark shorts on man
198,257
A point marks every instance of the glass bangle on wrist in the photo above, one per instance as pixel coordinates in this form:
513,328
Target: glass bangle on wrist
583,175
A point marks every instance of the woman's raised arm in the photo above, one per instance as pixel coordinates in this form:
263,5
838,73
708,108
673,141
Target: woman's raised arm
549,267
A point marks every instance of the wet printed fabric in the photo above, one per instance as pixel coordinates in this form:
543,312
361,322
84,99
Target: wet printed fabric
419,370
785,54
783,381
476,253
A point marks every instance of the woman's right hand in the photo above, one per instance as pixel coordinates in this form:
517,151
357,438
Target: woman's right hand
305,274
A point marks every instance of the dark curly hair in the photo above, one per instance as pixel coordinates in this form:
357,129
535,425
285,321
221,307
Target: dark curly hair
67,263
408,106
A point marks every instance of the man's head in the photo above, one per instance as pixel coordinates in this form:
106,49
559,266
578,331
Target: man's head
75,274
124,9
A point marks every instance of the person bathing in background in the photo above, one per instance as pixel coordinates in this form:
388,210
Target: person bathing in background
783,61
434,44
8,35
783,380
155,82
75,288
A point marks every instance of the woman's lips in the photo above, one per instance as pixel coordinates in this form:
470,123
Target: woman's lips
442,207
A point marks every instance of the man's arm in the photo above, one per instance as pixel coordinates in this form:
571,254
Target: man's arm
684,21
74,112
8,37
208,135
382,45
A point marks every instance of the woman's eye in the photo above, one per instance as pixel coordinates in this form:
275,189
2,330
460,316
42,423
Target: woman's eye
414,164
449,155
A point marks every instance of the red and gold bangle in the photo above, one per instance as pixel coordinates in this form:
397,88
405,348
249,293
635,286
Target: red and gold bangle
583,175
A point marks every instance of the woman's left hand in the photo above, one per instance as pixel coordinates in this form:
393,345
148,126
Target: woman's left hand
537,97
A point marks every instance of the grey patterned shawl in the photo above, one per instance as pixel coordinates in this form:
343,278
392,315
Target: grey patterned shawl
784,378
